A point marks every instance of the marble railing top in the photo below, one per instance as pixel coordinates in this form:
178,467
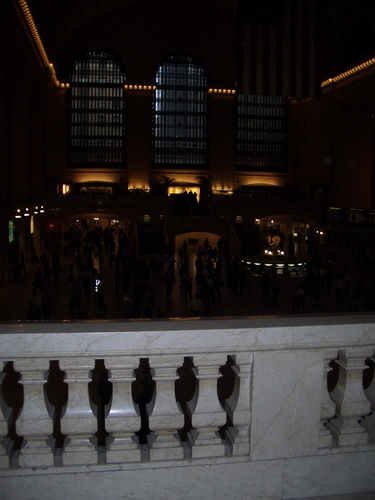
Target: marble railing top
184,336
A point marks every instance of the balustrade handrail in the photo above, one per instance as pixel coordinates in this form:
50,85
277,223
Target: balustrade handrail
23,338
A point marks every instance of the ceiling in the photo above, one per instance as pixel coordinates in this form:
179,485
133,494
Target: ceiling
348,33
347,26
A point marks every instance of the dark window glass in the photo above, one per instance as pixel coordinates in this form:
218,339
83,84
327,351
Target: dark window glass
180,115
262,133
96,113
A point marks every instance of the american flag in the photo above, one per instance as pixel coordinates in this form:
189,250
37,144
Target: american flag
278,49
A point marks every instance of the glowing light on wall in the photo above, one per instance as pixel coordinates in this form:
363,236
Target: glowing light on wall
183,189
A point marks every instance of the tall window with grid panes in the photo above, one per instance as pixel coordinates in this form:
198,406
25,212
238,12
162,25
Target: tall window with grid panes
262,133
96,113
180,115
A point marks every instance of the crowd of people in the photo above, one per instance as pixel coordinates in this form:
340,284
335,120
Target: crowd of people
204,278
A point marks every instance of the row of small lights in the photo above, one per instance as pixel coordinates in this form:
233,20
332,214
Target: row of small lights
350,72
49,65
27,212
140,87
277,265
153,87
222,91
39,43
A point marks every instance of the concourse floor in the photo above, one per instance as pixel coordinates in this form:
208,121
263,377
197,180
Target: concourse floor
14,296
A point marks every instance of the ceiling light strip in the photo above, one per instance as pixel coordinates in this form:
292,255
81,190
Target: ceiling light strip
350,72
38,42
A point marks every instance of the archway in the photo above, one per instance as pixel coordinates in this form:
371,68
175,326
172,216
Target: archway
52,232
196,239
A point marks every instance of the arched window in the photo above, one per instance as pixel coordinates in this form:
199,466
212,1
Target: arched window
180,115
96,133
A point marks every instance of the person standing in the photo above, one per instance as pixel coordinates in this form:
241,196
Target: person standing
149,303
169,281
196,306
47,272
264,284
56,272
38,280
22,262
127,307
34,312
46,305
187,286
117,279
101,294
339,291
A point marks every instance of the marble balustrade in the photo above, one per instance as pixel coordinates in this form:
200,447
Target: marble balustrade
246,389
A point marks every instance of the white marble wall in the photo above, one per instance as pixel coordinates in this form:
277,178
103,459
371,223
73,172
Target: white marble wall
288,434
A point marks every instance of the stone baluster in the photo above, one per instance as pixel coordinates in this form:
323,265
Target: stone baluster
349,398
369,421
205,410
78,422
34,423
238,406
6,414
328,407
122,421
165,415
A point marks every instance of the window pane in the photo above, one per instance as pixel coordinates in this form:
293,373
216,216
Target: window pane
96,113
